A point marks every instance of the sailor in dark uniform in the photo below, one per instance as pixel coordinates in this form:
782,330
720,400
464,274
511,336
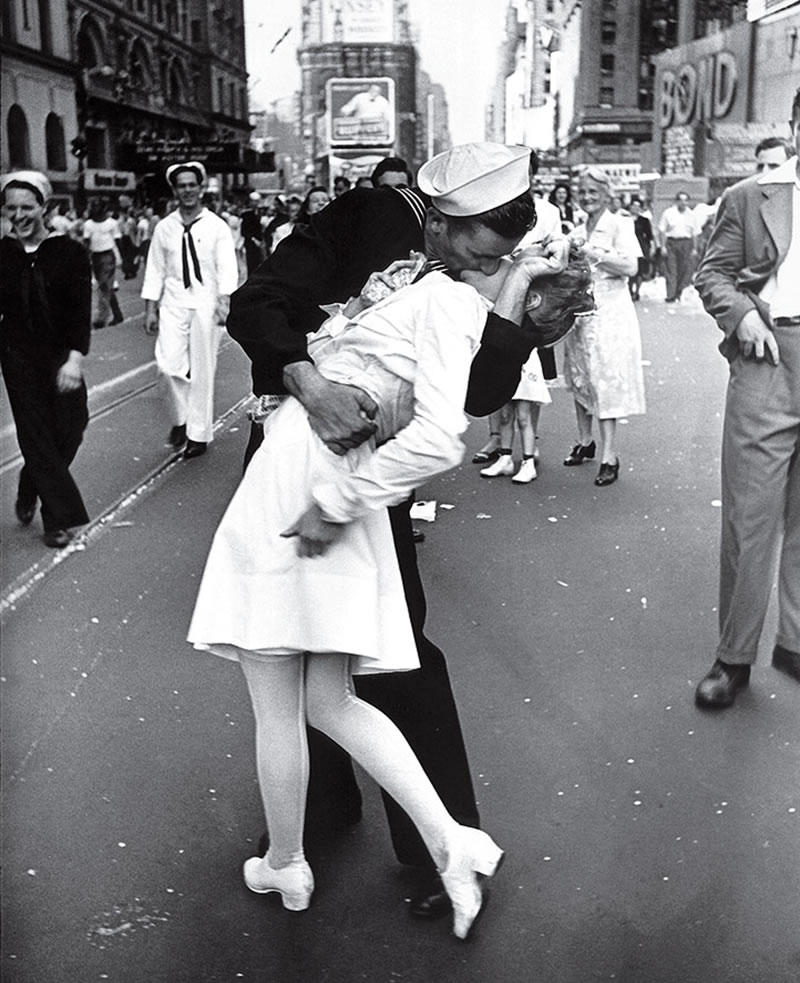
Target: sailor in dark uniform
329,260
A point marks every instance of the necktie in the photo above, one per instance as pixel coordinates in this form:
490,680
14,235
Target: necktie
187,237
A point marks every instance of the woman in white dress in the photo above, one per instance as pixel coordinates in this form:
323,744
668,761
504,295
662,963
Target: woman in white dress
302,603
302,585
603,355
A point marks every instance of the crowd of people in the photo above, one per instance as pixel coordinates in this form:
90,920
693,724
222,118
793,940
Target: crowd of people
374,325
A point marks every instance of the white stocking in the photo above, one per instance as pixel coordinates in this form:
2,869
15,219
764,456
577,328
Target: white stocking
371,738
278,697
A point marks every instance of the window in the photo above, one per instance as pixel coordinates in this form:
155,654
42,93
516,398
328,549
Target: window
608,32
54,143
139,66
19,144
176,86
606,65
607,96
197,32
45,28
90,45
95,147
220,95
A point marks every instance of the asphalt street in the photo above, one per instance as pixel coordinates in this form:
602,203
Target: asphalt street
647,841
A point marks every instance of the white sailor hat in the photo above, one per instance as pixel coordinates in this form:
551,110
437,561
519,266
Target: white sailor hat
475,177
35,180
189,165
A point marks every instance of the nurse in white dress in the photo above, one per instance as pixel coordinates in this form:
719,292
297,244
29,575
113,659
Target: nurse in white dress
603,354
302,584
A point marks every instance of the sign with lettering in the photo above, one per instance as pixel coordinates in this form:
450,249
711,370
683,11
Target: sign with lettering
701,92
216,155
112,181
705,80
361,112
358,21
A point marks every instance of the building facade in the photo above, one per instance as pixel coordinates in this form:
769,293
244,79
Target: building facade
364,96
647,88
136,84
37,91
719,95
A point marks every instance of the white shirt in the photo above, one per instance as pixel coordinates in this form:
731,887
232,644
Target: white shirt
548,225
101,236
676,224
782,290
163,277
365,106
60,224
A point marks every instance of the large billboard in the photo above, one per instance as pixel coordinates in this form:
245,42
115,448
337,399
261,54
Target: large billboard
358,21
361,112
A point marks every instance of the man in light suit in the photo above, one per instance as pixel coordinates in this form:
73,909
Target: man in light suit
749,282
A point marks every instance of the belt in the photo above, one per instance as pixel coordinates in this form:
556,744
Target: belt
785,322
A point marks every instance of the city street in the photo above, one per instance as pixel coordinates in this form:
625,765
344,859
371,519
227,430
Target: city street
647,841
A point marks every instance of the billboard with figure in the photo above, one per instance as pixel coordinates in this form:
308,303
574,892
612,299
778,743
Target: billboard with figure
361,112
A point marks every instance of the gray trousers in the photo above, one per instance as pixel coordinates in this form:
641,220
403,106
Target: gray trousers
761,501
679,266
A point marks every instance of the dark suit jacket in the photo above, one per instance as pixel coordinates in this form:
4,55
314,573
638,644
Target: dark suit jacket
750,239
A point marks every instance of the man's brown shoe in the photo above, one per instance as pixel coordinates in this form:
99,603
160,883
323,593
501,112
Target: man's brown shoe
719,688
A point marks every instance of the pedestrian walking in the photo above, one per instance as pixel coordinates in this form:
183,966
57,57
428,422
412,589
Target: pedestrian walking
144,232
561,198
45,318
411,354
643,228
271,316
191,273
678,233
531,392
253,233
771,152
603,355
748,281
101,234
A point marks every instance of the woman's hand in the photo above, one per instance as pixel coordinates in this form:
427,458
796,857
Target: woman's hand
314,534
398,274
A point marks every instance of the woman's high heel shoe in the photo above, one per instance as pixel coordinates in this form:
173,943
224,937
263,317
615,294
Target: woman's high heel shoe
294,883
472,857
607,474
579,454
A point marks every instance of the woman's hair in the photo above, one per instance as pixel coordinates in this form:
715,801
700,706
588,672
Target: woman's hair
511,220
560,184
568,294
599,176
